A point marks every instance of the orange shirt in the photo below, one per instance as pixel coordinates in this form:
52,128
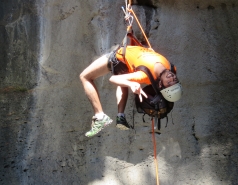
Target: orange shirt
136,56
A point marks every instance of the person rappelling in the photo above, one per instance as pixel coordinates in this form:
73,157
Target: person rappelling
123,63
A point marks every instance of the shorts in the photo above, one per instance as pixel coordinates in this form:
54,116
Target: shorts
116,66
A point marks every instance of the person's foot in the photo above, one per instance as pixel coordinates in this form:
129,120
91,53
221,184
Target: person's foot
122,123
98,125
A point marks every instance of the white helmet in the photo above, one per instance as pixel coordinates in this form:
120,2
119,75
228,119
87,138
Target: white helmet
172,93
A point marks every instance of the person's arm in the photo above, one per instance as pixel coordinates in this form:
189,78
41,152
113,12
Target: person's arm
125,80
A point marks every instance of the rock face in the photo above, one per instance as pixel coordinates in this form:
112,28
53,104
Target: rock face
45,45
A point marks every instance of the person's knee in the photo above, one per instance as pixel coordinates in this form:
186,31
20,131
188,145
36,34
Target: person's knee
82,77
86,76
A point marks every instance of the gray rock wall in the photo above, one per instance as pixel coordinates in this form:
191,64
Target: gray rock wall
45,113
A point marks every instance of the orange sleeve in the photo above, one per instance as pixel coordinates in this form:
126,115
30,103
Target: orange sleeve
140,77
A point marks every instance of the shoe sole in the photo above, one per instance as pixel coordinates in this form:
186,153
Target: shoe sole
104,126
122,127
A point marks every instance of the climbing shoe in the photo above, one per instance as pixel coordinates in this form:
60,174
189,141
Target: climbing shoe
98,125
122,123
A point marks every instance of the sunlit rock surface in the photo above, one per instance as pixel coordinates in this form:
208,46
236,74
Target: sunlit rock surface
44,112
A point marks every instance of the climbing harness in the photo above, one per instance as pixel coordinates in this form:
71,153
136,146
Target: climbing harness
129,33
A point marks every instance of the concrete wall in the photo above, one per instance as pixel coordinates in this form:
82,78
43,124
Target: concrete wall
45,113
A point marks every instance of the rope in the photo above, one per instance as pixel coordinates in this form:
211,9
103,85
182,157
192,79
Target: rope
140,27
155,158
129,18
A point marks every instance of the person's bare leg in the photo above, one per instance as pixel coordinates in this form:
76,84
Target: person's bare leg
94,70
122,95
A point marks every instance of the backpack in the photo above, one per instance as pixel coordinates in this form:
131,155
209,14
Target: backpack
155,105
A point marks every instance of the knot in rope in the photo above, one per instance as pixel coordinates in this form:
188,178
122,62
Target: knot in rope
128,17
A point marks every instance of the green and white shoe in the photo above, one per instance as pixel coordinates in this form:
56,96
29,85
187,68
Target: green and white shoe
98,125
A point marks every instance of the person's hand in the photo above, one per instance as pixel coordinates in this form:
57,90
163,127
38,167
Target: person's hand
136,88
